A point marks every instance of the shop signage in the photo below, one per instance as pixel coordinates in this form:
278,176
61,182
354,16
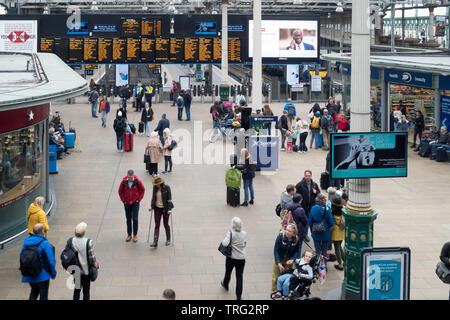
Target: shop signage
374,71
445,111
409,78
385,273
369,155
15,119
444,82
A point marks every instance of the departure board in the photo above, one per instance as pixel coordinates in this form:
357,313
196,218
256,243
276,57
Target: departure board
46,45
133,50
90,50
119,50
147,49
75,50
205,47
157,28
217,50
162,50
147,28
104,50
234,50
61,48
176,50
190,50
131,28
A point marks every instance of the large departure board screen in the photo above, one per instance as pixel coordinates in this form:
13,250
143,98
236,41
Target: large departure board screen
119,50
234,50
162,50
147,27
190,50
147,49
157,28
61,48
131,28
217,50
104,50
75,50
133,50
90,50
176,50
205,47
46,45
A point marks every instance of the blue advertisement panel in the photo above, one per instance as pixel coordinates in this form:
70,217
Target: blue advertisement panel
445,111
265,150
409,78
385,273
104,28
374,71
369,155
444,82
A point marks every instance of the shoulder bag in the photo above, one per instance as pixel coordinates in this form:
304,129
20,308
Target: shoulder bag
146,156
443,272
319,227
93,272
226,250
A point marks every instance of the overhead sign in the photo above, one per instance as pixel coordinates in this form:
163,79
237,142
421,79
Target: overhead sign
409,78
235,28
445,111
316,84
368,155
347,70
104,28
121,74
18,36
385,273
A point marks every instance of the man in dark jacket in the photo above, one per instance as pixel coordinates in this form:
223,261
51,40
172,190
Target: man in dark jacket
162,124
187,104
309,190
419,125
122,109
125,93
119,127
442,140
299,216
131,192
93,100
283,126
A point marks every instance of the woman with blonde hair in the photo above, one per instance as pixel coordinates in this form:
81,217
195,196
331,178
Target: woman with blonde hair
248,173
36,214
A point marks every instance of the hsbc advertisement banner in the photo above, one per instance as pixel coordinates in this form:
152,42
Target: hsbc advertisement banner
18,36
418,79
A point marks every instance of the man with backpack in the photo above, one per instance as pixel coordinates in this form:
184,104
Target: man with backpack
37,263
315,129
174,92
283,126
290,108
180,105
326,123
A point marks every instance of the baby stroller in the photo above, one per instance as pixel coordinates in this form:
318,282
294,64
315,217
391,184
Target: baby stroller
301,289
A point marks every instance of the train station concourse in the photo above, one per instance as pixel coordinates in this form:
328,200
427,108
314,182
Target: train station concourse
210,151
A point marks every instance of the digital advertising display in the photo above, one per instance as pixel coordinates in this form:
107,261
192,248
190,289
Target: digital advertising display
205,28
369,155
82,28
287,39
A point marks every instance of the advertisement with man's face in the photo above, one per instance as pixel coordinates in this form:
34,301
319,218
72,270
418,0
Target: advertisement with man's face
369,155
287,39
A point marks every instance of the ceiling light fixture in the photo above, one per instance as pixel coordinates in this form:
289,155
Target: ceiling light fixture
339,7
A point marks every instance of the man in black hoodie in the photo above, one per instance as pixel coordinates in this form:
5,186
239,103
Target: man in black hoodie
283,126
309,191
119,127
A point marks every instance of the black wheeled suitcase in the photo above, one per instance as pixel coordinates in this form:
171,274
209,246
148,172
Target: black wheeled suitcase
441,155
324,180
141,127
233,197
425,150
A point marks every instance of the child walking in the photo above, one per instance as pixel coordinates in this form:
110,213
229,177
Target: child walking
289,140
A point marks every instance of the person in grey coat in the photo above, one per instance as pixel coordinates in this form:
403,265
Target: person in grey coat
237,259
286,196
403,125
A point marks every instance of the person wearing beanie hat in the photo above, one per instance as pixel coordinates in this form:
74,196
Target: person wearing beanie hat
163,205
299,216
119,127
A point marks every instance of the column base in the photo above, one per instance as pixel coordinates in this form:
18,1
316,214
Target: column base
349,295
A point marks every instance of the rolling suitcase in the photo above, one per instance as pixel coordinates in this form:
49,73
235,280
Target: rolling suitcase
128,141
425,150
441,155
69,141
324,180
233,197
141,127
320,143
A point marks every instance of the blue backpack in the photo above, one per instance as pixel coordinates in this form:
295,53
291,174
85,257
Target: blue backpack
180,102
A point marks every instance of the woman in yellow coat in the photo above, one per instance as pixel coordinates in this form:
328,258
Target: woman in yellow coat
337,232
36,214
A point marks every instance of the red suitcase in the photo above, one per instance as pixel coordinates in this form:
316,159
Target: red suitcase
128,141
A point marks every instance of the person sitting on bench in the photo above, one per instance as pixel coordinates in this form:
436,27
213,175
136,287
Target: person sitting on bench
434,135
443,140
53,140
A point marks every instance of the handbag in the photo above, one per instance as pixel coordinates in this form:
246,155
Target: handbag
226,251
443,272
319,227
93,273
278,209
146,157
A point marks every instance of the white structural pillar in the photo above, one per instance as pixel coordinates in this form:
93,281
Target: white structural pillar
224,64
257,59
431,24
359,193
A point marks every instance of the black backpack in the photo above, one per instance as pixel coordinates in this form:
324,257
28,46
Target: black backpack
69,256
30,263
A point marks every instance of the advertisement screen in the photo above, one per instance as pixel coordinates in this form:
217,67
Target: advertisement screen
18,36
285,39
368,155
205,28
81,29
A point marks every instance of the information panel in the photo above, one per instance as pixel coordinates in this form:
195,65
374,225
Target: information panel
133,50
157,28
147,28
104,50
162,50
61,48
147,49
234,50
205,47
46,45
217,50
131,28
176,50
90,50
190,50
119,50
75,50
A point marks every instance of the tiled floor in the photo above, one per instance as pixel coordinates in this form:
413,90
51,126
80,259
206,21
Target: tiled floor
412,212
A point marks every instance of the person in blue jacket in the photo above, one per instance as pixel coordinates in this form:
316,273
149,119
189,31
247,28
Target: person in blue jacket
292,113
318,213
40,284
286,251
